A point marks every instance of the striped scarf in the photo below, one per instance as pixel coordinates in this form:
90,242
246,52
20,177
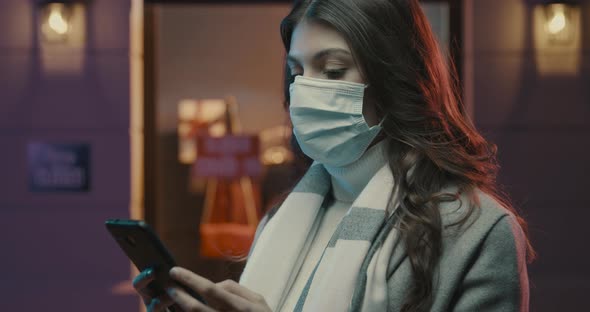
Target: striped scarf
351,273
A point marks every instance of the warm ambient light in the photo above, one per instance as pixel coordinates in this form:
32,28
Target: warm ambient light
56,22
61,28
274,145
205,116
558,22
557,37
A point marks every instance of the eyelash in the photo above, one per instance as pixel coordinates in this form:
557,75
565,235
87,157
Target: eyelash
333,74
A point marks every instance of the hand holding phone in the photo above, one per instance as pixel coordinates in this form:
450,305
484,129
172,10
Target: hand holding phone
143,247
141,283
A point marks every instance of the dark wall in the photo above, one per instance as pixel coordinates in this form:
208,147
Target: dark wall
55,254
541,125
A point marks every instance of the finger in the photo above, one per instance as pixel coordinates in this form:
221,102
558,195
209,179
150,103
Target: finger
213,294
141,283
159,304
143,279
239,290
186,302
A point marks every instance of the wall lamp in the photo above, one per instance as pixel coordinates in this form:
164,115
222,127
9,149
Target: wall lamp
560,21
62,35
557,36
57,19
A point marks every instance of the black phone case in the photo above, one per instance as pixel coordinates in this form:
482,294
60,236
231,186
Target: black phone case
143,247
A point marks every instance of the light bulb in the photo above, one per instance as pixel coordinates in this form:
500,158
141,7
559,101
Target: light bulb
57,22
557,23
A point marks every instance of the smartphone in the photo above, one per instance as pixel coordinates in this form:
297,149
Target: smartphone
143,247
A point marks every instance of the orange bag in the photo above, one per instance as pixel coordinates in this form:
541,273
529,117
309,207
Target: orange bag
229,219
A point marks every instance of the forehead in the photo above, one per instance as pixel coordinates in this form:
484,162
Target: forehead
311,37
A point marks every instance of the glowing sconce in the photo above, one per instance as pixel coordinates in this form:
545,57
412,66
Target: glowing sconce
62,32
558,37
559,26
55,22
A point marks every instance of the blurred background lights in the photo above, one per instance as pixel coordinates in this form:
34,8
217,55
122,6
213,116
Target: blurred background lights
56,23
557,38
61,25
558,22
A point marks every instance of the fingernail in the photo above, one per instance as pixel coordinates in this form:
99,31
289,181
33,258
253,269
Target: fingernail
173,271
171,292
149,272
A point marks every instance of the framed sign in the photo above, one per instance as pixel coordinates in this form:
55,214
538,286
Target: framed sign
58,167
230,156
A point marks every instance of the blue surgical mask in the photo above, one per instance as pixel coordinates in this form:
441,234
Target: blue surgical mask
328,122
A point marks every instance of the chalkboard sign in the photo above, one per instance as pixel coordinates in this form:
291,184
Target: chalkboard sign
58,167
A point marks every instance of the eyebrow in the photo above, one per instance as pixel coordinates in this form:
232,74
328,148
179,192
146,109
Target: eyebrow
321,54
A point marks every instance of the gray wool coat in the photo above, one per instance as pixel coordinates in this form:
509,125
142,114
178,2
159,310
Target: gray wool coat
483,264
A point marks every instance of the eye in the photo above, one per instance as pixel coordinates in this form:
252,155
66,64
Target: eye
335,73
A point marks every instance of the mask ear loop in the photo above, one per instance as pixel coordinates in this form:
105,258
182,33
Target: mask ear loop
380,124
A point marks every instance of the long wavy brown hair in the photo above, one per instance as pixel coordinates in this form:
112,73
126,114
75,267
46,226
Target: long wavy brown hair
425,124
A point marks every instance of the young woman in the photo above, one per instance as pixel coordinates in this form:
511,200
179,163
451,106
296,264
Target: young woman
399,210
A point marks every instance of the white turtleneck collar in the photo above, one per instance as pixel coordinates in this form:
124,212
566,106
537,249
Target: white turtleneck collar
350,180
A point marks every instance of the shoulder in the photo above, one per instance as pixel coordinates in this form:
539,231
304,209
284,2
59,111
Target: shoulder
491,237
482,266
485,260
482,213
482,261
